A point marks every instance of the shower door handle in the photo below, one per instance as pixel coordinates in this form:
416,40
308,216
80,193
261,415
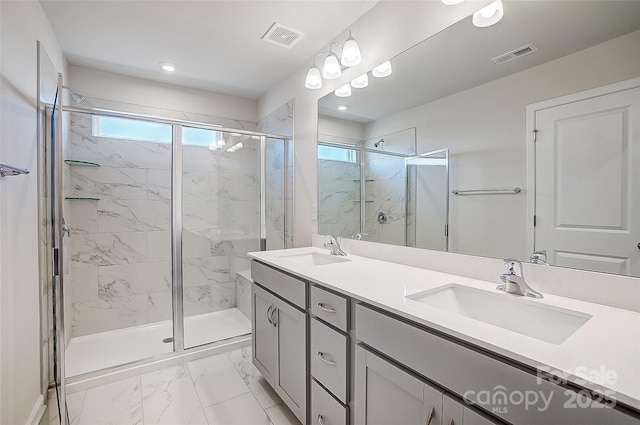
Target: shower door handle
65,228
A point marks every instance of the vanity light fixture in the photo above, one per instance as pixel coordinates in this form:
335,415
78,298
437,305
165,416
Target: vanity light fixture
488,15
343,107
382,70
351,52
333,65
343,91
360,82
168,66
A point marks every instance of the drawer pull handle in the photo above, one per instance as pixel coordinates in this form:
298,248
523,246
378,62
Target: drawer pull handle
327,309
274,316
320,420
269,314
329,362
432,412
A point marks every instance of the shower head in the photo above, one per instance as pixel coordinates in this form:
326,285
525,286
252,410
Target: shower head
75,96
378,143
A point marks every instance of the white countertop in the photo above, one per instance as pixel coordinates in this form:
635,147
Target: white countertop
603,355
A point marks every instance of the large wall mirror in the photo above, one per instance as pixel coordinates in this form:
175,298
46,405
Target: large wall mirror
479,94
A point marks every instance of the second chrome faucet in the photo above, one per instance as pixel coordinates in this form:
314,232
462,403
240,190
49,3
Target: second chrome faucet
514,282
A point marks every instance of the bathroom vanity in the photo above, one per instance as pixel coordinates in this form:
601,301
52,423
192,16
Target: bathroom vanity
355,340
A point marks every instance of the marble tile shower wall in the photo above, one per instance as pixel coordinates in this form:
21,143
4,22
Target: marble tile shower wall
279,168
120,247
385,191
338,198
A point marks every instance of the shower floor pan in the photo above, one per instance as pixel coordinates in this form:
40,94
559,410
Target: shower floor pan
89,353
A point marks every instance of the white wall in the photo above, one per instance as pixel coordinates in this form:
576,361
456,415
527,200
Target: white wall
131,94
22,23
386,30
484,128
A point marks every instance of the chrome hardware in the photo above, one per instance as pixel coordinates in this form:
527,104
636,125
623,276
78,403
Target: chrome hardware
329,362
320,421
638,245
514,282
333,244
65,228
327,309
451,422
359,236
274,316
382,218
513,191
430,416
269,314
7,170
539,257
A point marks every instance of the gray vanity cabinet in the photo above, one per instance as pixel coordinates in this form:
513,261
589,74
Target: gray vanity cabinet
386,394
280,342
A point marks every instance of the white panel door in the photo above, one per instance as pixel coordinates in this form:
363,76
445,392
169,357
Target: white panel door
588,183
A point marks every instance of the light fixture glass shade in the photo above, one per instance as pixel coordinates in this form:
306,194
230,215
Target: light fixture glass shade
360,82
382,70
331,69
343,91
314,79
351,53
452,2
488,15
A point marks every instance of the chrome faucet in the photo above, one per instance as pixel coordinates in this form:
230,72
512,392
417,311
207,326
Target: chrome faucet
514,282
539,257
334,246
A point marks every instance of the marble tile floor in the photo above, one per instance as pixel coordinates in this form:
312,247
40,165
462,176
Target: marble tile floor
224,389
89,353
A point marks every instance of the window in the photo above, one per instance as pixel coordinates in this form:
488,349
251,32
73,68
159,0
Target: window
332,153
133,129
126,128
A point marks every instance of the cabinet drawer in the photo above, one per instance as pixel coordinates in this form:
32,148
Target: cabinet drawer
470,373
325,410
329,359
283,285
330,307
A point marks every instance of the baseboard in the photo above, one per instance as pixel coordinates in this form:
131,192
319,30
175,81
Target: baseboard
36,413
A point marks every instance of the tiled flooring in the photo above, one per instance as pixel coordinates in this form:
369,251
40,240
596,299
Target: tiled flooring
225,389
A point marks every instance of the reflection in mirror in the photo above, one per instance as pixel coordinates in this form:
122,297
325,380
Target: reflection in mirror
468,88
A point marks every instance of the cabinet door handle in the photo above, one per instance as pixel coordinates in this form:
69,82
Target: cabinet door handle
451,422
274,316
329,362
432,412
320,420
269,314
327,309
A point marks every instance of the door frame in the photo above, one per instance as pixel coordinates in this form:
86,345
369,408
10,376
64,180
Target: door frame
530,132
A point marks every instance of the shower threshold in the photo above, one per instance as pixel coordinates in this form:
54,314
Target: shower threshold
89,353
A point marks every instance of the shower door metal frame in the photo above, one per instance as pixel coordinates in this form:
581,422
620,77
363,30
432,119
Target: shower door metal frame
176,212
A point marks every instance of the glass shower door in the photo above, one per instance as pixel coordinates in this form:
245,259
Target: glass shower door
220,214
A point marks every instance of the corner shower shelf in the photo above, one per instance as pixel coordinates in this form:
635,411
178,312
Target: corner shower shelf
358,200
367,180
78,163
80,198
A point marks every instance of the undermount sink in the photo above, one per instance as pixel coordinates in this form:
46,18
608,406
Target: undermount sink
314,259
546,323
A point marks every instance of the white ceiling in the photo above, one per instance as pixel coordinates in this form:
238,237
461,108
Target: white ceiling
216,44
459,57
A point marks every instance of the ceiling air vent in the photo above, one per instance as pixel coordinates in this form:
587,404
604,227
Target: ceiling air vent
515,54
282,36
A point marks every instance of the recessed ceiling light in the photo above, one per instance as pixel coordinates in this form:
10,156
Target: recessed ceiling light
342,107
168,66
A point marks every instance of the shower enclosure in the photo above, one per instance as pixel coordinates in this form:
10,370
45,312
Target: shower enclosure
381,194
149,221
